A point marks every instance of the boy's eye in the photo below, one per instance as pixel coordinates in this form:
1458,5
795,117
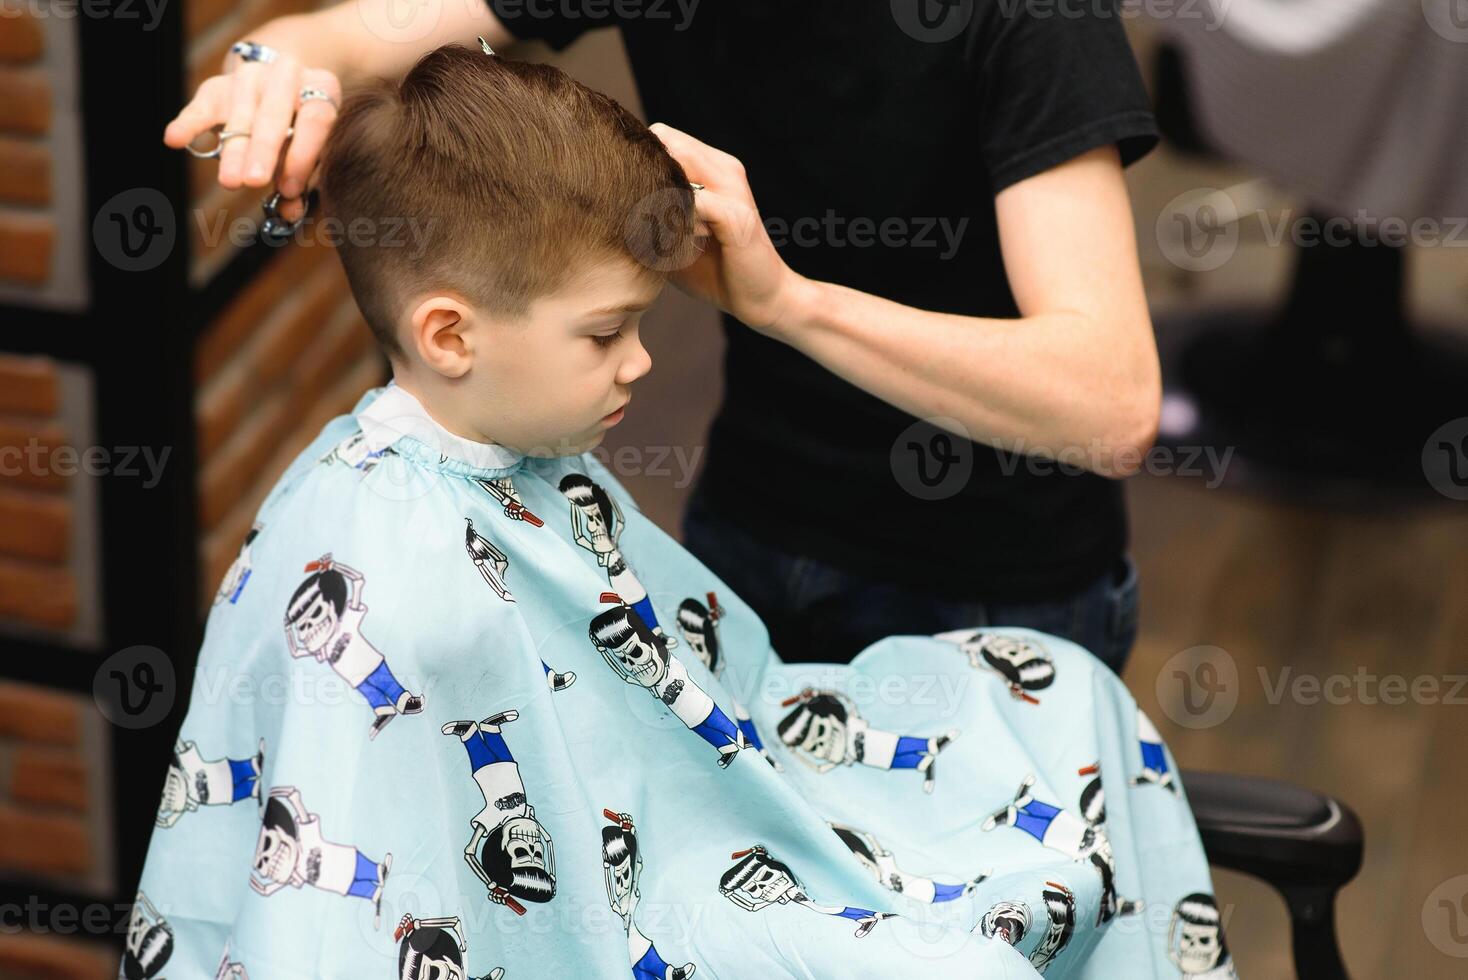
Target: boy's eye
606,339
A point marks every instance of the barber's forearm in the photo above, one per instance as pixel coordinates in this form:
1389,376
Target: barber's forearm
1056,384
357,39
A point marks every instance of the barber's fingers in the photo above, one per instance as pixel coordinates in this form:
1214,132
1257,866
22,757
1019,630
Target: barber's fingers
704,164
279,86
314,119
244,95
733,222
208,108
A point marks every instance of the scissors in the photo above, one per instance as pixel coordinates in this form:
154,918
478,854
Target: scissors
274,226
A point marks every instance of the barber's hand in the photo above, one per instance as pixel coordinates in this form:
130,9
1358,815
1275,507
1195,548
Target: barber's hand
263,100
739,271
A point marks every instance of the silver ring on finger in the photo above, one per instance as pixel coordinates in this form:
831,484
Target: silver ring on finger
311,93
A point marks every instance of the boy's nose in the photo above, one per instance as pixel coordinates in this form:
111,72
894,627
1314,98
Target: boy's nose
637,363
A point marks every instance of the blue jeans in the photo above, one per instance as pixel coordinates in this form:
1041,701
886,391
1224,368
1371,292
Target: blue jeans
816,612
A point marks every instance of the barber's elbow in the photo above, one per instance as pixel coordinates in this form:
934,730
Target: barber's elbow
1133,433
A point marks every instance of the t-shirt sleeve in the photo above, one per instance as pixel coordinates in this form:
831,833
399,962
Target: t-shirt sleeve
1056,78
557,24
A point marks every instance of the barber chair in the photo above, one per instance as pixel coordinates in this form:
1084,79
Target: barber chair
1305,844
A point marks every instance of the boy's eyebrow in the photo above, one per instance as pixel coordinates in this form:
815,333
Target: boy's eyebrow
616,310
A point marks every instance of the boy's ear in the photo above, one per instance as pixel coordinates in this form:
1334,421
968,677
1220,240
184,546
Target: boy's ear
439,332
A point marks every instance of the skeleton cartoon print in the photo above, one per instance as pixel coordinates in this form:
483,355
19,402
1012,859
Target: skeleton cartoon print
825,730
596,525
509,850
639,656
435,949
699,625
1082,838
291,850
1024,665
757,880
883,867
193,781
324,620
622,864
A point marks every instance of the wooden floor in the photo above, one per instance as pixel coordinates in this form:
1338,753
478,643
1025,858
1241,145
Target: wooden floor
1277,586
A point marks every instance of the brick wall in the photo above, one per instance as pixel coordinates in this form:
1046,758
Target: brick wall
38,589
51,775
287,355
27,228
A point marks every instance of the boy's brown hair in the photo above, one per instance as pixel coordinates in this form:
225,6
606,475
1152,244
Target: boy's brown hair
520,174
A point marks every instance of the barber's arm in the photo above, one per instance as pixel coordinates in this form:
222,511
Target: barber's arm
1075,376
325,49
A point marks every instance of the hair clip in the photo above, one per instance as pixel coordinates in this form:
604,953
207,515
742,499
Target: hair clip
487,49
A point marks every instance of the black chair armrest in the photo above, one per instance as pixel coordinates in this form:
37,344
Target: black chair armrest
1306,844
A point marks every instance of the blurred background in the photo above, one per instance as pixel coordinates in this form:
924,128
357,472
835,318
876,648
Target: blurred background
1301,530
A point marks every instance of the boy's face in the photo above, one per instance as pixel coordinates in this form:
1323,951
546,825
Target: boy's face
553,383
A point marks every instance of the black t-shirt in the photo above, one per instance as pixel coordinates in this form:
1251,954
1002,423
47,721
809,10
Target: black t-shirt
843,111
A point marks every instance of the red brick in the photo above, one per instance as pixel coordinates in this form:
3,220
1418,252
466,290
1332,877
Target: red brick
21,468
37,595
29,385
26,105
21,39
32,957
219,547
281,342
25,169
44,842
26,244
34,526
237,323
237,465
37,714
48,777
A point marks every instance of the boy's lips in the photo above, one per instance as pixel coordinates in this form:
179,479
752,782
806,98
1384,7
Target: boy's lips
612,418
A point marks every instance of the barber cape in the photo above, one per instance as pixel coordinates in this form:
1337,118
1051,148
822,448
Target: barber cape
463,713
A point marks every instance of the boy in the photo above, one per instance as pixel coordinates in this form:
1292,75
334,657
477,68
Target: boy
513,339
